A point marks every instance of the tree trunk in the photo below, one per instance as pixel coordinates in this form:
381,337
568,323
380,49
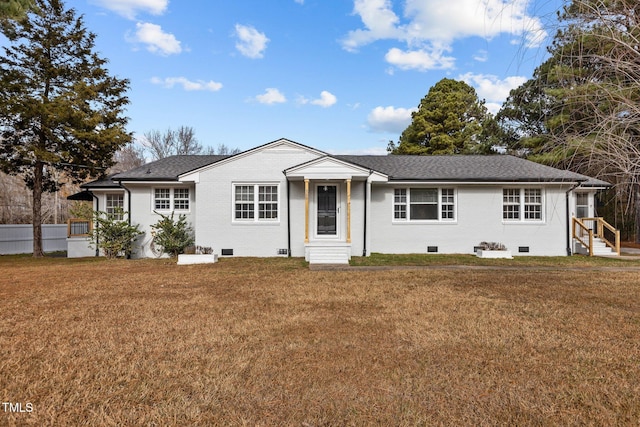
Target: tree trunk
637,210
37,210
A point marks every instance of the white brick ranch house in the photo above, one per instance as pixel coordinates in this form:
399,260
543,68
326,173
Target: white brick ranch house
287,199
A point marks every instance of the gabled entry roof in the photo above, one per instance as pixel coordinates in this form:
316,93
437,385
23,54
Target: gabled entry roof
328,167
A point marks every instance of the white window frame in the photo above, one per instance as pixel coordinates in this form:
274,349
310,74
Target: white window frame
172,199
257,206
110,208
401,206
522,199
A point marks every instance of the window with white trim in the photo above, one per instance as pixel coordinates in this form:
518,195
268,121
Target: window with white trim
400,203
167,199
533,204
522,204
268,202
244,202
114,206
251,198
424,204
181,199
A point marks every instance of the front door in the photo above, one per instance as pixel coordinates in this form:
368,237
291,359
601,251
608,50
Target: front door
582,205
327,210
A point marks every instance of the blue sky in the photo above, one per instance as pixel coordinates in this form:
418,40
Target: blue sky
342,76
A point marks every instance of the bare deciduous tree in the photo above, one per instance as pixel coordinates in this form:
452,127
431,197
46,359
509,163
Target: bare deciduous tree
170,143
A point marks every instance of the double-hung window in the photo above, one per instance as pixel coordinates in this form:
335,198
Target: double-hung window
255,202
168,199
115,206
522,204
424,204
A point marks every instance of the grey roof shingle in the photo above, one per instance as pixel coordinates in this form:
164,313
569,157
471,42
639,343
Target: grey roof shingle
465,168
461,168
167,169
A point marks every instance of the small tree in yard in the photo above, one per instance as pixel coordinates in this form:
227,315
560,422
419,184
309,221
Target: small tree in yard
173,236
113,234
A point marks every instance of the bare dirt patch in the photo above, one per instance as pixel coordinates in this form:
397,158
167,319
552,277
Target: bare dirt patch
269,342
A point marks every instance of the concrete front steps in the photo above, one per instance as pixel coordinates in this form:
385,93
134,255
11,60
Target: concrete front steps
328,253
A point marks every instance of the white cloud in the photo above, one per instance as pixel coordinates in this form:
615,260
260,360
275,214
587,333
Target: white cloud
428,28
491,88
251,42
421,60
390,119
187,84
129,8
271,96
481,56
327,99
157,41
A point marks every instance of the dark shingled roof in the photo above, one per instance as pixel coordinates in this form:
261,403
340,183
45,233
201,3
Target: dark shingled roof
167,169
465,168
461,168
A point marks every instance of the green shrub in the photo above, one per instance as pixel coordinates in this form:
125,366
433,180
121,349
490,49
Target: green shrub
114,236
173,236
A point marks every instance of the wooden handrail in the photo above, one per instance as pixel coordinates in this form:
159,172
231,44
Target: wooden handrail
598,230
584,230
79,227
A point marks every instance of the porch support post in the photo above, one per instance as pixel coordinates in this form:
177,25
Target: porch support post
306,211
348,211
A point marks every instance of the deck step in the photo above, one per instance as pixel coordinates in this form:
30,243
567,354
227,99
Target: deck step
600,248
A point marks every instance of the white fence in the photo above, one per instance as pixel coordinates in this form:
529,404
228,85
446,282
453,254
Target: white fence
18,239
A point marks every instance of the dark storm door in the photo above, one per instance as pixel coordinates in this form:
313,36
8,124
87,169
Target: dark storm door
327,210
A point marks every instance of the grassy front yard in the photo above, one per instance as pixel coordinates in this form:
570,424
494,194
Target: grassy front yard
269,342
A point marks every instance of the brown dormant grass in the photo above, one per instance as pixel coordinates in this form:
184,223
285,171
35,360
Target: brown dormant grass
269,342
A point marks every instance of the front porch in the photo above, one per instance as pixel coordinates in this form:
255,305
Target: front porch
335,201
595,237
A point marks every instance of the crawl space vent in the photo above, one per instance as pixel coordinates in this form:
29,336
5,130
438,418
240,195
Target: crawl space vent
226,252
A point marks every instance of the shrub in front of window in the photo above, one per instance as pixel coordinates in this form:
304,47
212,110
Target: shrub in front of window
174,236
113,234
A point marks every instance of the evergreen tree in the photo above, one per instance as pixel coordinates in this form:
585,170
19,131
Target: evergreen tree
450,120
59,107
14,9
581,110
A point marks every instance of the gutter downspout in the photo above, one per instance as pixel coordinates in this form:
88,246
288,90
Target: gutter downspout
97,235
288,215
288,219
569,251
364,241
128,206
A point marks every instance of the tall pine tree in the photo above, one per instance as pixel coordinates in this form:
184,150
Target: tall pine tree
450,120
59,107
586,98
